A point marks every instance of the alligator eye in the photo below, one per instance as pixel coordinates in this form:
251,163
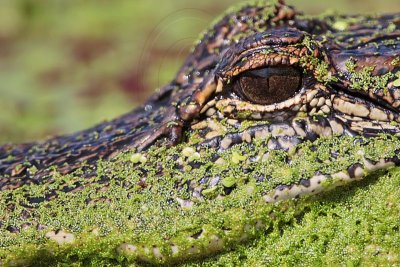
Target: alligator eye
268,85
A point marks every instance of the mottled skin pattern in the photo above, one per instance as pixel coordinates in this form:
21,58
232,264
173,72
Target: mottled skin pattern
350,87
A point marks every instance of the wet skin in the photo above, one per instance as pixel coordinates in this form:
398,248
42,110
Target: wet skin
270,106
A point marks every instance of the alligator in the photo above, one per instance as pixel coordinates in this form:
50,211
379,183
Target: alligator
272,113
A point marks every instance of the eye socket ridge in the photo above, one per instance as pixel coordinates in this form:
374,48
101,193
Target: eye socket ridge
269,85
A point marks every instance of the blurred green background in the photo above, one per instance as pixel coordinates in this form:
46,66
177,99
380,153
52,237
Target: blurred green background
68,64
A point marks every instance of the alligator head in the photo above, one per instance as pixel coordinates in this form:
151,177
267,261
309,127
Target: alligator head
270,104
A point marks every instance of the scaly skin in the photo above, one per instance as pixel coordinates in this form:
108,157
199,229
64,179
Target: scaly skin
199,169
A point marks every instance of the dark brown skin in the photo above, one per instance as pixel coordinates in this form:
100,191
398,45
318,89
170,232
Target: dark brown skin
164,118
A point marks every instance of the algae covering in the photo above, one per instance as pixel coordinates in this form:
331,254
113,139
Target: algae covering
181,204
352,226
116,218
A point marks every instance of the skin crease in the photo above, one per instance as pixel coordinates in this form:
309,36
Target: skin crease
221,168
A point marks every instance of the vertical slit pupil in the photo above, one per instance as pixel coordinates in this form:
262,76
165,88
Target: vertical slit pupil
269,85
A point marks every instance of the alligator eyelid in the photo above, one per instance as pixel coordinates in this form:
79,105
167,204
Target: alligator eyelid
268,71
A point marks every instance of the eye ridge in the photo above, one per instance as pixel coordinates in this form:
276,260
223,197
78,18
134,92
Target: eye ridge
269,85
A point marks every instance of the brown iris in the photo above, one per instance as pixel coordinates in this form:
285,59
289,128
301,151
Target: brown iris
269,85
